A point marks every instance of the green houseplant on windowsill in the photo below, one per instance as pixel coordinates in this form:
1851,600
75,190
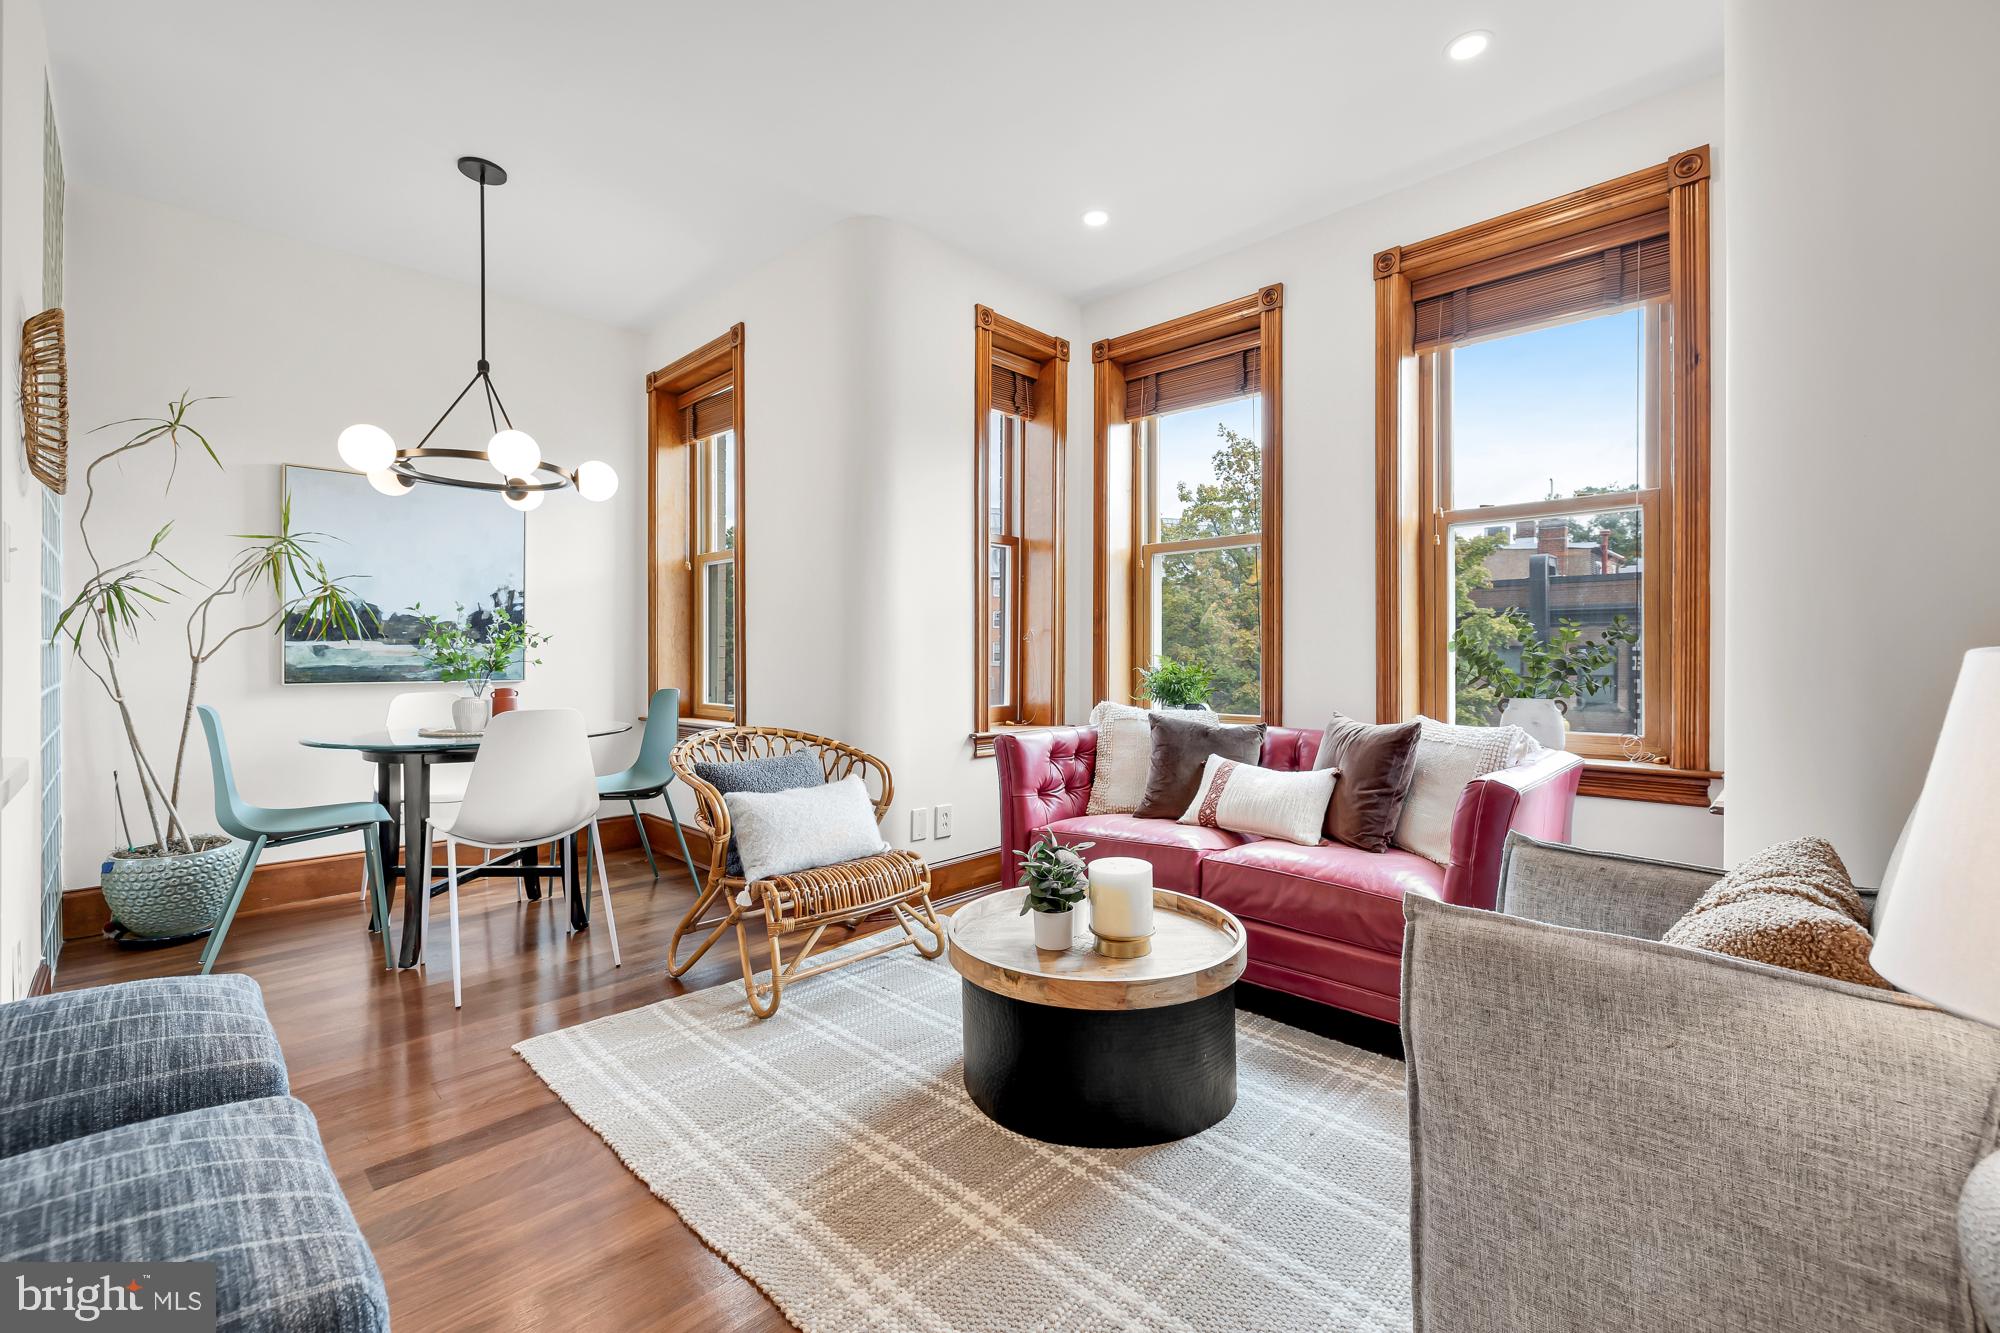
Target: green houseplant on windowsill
1056,879
1174,684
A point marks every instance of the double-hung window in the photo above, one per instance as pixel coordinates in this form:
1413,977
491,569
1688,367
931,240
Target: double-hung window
1543,456
695,524
1020,410
1188,488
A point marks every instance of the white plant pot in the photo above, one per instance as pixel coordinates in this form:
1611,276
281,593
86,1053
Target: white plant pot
1054,930
471,712
1540,718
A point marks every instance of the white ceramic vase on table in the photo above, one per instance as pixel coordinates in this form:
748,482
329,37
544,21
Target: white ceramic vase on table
471,712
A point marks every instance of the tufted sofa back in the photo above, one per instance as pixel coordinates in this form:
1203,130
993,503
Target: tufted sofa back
1045,776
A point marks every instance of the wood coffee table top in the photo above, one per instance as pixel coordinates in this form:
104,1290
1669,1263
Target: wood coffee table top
1198,949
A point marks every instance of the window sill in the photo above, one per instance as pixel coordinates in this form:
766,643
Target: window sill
1620,780
982,741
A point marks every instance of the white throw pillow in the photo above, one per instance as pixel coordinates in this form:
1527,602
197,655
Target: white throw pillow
1124,756
1448,757
1246,799
781,832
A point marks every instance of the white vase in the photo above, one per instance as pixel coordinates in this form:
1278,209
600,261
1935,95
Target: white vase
1054,930
1540,718
471,712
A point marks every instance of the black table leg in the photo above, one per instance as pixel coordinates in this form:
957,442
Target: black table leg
579,887
385,796
416,847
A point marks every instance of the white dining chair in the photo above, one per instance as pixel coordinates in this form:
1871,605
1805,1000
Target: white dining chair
413,710
532,782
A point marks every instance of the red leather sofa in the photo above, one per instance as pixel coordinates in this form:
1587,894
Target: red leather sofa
1325,922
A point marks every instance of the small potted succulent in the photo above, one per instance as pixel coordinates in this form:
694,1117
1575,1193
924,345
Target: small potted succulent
460,651
1056,879
1173,684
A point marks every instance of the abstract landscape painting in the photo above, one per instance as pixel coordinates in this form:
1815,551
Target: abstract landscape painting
437,547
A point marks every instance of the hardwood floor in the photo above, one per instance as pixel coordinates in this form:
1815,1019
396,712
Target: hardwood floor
488,1205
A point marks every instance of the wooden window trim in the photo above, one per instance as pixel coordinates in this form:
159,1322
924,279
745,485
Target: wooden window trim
1405,581
674,514
1039,541
1117,566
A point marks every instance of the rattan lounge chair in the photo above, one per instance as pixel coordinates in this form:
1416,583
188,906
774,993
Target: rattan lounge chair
897,882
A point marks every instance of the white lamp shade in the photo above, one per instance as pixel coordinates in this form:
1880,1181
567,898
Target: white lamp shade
390,482
1940,938
514,453
528,503
366,448
596,481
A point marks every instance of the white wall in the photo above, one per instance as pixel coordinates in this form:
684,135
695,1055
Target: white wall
23,54
1861,231
1330,408
858,374
305,341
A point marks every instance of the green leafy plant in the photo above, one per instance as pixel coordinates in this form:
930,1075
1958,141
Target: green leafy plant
1499,655
1054,875
460,654
1175,684
105,617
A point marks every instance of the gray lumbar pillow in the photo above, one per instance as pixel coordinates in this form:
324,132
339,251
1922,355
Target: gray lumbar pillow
786,831
778,772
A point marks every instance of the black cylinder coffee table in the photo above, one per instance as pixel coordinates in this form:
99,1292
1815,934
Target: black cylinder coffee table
1072,1047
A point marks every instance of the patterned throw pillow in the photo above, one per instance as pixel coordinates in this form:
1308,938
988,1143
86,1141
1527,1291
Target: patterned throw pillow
777,772
1181,745
1448,757
1124,756
1246,799
1791,905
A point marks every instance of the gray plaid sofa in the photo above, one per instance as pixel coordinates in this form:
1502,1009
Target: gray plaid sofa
1610,1132
151,1122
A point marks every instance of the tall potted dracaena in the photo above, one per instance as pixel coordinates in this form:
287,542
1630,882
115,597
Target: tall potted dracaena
178,882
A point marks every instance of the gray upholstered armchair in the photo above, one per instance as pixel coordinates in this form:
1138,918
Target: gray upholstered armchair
1610,1132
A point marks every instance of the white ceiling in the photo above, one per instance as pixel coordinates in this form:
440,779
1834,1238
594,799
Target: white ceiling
655,146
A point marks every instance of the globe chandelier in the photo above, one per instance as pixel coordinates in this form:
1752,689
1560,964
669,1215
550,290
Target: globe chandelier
525,476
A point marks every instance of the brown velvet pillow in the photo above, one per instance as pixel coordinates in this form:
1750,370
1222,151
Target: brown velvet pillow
1376,764
1181,747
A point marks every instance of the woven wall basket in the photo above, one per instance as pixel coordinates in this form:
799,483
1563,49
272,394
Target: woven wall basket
45,399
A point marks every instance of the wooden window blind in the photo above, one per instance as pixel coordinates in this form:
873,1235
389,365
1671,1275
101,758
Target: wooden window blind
1013,393
1618,275
711,415
1195,377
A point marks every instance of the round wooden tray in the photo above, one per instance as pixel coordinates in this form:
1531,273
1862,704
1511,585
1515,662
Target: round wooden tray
1198,950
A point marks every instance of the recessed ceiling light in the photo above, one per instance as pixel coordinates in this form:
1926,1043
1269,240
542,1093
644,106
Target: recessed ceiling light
1468,45
1096,217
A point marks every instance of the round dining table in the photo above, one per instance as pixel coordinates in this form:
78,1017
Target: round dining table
403,760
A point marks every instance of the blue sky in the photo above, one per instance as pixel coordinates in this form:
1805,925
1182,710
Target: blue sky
1188,444
1557,403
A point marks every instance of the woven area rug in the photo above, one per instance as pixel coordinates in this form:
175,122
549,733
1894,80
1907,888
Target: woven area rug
831,1154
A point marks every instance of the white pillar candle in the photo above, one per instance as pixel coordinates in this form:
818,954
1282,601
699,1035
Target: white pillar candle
1121,897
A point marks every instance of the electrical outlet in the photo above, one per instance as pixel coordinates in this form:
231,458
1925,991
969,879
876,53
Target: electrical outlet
920,824
941,821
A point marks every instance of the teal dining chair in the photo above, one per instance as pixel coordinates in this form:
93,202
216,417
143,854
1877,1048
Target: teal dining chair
650,772
262,827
